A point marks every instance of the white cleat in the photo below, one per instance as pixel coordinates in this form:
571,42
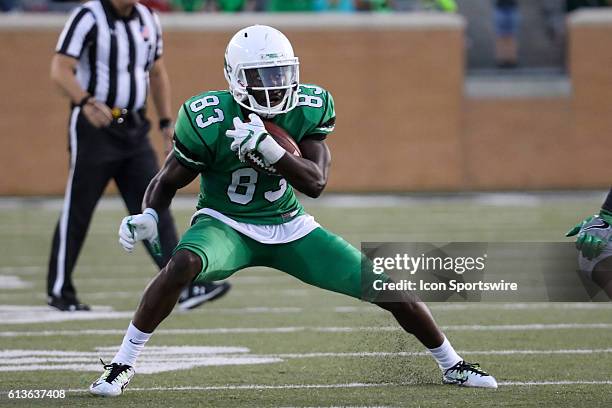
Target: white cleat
113,381
467,374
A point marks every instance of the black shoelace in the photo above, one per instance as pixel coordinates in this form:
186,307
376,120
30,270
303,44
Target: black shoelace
115,370
464,366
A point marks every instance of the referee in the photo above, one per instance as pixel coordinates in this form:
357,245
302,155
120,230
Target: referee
108,58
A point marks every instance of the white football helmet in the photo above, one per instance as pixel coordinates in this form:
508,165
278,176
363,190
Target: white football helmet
262,71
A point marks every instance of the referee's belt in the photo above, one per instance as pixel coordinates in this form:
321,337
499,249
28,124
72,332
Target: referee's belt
122,116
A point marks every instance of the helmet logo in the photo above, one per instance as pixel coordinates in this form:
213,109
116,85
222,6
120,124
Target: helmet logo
271,56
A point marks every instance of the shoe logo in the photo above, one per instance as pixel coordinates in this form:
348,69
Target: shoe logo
138,343
95,384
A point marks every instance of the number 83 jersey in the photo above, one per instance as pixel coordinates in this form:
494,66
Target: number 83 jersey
226,184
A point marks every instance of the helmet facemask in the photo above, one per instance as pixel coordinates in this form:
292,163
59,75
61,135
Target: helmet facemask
267,88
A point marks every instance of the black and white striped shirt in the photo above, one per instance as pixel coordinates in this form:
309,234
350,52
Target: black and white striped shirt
114,53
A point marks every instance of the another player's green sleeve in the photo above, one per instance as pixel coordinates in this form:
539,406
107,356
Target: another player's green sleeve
449,6
190,149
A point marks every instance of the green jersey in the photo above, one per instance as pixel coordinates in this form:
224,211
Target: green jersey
226,184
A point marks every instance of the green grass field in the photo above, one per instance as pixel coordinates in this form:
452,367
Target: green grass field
272,341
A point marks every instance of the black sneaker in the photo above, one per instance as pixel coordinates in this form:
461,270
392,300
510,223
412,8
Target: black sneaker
196,294
67,305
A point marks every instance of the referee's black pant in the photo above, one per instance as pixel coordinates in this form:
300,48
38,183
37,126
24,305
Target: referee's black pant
121,152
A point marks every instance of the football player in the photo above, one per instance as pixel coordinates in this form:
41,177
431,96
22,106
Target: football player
247,217
594,235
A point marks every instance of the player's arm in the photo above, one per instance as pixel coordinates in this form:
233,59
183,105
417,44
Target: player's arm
182,166
594,233
158,196
63,70
160,92
308,174
162,188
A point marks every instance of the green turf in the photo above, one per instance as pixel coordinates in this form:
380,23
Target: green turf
267,299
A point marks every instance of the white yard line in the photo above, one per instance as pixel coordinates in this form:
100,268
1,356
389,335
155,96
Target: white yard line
506,199
86,296
143,280
296,329
19,314
327,386
534,383
452,307
338,309
109,332
349,309
521,306
20,270
171,358
522,327
347,385
475,327
425,353
11,282
186,353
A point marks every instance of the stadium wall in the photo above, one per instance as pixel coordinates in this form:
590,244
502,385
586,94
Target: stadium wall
591,69
403,121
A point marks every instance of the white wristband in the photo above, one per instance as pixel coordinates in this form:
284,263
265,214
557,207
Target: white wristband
270,150
152,213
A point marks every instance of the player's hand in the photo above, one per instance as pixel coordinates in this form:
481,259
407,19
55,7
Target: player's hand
594,233
140,227
97,113
246,135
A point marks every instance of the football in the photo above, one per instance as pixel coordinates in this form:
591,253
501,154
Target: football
255,160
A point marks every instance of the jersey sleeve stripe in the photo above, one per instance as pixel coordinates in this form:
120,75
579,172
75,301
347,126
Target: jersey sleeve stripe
185,151
75,32
324,129
186,160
